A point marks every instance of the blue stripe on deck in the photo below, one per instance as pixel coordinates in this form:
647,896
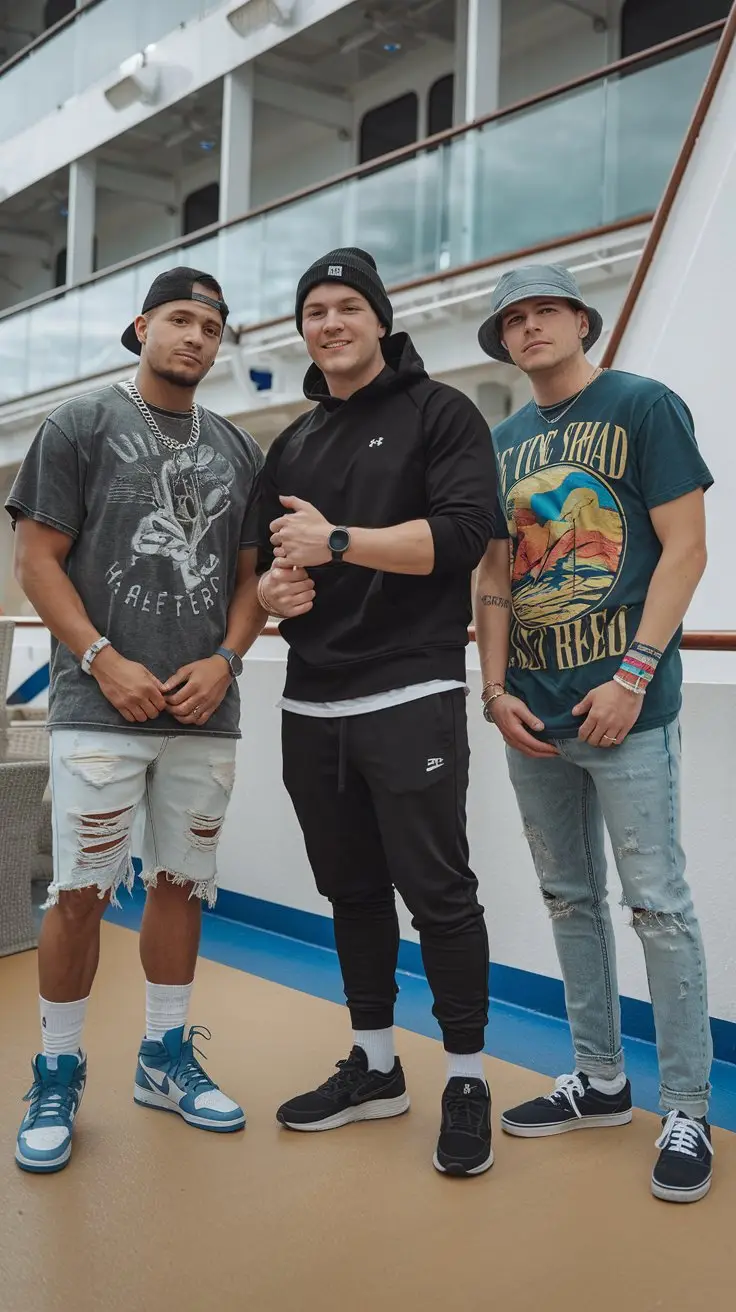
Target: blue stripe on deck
516,1033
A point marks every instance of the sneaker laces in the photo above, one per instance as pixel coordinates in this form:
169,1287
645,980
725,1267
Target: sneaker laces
51,1100
188,1072
348,1074
465,1112
681,1134
567,1089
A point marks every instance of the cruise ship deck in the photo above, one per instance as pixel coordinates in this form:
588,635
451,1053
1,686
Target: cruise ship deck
152,1212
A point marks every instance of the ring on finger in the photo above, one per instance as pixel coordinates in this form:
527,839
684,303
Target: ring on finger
609,738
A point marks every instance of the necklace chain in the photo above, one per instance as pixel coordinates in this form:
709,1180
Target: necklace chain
169,442
555,419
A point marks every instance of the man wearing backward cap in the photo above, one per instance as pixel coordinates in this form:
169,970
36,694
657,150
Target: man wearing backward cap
134,514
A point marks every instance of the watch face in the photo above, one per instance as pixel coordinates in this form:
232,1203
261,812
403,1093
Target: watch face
236,665
339,539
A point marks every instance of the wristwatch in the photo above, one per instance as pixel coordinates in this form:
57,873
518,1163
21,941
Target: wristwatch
338,542
233,660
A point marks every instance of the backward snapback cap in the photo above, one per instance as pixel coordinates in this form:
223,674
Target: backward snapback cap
353,267
543,280
174,285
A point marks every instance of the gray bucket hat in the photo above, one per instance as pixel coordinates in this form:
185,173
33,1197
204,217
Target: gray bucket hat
523,283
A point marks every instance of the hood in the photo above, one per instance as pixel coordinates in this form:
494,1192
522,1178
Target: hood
404,367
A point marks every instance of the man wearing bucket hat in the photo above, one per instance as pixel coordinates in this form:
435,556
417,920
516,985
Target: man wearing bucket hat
602,485
135,516
386,493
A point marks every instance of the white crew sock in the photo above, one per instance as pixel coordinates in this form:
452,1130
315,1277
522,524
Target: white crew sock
609,1087
466,1065
61,1028
378,1046
167,1006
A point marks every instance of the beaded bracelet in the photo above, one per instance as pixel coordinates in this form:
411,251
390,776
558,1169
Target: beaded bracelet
638,668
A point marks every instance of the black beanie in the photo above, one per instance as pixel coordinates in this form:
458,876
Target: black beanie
355,268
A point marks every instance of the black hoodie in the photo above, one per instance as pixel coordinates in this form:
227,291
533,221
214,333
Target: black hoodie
400,449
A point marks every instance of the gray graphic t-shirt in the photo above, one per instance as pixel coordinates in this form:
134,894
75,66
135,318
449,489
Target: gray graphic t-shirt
156,535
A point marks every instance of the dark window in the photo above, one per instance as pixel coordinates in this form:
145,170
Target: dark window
202,208
441,99
389,127
55,10
646,23
60,265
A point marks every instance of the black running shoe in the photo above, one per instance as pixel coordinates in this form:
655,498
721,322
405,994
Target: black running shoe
464,1145
574,1105
685,1165
353,1093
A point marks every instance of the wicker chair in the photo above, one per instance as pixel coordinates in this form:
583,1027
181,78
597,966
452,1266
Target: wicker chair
22,784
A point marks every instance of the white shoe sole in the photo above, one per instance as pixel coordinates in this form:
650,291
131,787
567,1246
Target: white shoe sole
378,1110
579,1123
150,1098
457,1170
40,1167
681,1195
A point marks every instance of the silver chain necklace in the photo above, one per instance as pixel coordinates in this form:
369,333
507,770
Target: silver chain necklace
555,419
168,442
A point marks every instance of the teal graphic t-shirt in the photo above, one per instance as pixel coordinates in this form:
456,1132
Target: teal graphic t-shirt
577,494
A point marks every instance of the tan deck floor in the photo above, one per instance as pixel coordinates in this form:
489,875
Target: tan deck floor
152,1214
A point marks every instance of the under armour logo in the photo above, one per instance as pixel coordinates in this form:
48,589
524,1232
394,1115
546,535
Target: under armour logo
435,762
334,271
376,441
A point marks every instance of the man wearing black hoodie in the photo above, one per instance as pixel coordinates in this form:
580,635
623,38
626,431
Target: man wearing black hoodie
384,494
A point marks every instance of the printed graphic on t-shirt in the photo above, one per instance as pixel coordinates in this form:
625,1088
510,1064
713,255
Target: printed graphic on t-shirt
180,499
568,532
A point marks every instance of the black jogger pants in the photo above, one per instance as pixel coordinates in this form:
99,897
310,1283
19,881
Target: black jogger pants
380,798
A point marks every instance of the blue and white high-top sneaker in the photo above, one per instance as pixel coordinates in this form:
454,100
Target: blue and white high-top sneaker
170,1077
45,1137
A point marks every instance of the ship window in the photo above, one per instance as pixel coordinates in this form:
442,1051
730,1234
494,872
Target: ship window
645,23
201,208
389,127
441,96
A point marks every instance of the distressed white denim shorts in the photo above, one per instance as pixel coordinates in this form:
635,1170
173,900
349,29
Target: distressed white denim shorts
101,782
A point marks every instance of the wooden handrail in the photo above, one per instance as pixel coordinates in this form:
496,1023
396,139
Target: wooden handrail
374,165
694,640
673,186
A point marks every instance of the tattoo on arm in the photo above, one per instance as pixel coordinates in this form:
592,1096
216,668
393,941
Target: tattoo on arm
496,601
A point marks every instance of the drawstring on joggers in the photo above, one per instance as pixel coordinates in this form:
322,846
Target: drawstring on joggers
342,754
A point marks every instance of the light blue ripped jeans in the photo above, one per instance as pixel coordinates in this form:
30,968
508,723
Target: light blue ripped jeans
634,790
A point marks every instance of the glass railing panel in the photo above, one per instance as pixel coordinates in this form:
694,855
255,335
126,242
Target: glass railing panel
14,356
648,112
53,342
534,176
109,306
